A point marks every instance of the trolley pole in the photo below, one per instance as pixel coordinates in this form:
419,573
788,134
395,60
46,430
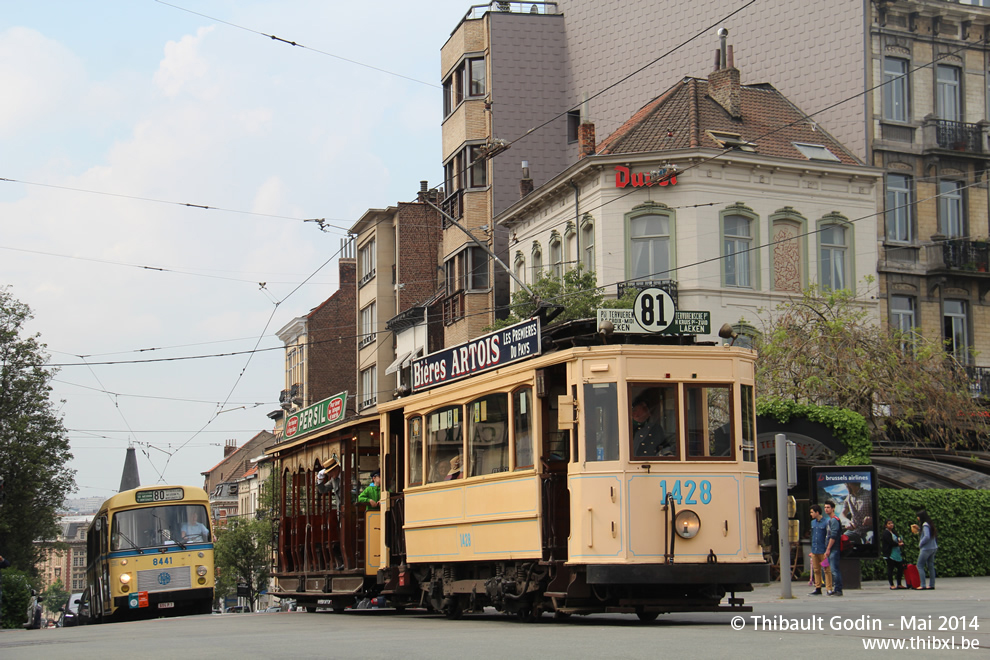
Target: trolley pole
783,526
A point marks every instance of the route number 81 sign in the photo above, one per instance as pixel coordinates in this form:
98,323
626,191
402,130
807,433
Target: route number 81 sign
654,309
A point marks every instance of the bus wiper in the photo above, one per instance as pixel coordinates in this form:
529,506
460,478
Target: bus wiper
133,544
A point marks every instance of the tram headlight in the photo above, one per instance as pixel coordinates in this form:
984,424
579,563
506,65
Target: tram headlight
687,524
201,571
123,562
125,578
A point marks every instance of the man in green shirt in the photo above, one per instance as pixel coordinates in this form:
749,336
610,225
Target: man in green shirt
371,494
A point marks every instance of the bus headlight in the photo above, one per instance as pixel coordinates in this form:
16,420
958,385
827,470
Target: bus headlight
687,524
125,578
201,571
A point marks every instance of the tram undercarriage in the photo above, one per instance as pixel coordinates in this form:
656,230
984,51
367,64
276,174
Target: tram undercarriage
528,589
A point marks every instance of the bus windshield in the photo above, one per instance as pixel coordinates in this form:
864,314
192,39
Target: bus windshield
157,526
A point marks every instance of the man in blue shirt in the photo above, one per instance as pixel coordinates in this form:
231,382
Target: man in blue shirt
819,532
833,547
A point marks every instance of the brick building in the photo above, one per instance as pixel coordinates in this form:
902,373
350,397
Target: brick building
397,271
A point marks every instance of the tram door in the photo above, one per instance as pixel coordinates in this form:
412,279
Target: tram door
555,454
393,482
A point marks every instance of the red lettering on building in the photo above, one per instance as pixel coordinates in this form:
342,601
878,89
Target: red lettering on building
625,177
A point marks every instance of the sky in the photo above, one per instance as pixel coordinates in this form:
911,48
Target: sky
116,115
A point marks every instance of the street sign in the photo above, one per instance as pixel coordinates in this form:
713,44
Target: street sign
685,323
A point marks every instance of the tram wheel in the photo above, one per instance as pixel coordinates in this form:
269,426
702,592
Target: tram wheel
647,617
455,609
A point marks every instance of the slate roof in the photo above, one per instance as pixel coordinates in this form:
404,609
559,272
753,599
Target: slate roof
680,117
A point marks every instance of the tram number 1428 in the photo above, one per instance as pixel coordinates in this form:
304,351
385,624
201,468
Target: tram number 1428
690,490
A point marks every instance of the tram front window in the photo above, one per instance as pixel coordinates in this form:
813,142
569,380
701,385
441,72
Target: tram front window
157,526
653,421
601,422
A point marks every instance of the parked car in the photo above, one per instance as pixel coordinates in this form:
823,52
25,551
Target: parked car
237,609
69,612
274,608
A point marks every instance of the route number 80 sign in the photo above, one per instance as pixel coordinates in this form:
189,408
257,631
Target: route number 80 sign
654,309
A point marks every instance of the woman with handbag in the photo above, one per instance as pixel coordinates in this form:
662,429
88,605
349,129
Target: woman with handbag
891,545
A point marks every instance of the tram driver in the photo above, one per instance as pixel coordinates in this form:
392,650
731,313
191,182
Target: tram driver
649,436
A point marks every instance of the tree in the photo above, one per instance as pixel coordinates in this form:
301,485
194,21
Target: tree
54,596
243,554
823,349
16,596
577,291
34,449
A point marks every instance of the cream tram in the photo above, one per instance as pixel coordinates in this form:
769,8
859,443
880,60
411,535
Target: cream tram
563,471
611,474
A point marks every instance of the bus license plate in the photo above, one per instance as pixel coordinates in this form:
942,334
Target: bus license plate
163,606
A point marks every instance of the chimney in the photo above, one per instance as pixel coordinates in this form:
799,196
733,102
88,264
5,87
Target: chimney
424,192
229,448
586,139
724,81
526,183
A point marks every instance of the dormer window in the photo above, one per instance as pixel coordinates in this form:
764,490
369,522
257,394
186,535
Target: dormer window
815,151
731,141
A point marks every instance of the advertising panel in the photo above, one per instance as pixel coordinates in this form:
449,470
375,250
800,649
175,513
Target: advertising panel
502,347
853,489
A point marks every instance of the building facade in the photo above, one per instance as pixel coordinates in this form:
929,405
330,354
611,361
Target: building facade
657,204
397,271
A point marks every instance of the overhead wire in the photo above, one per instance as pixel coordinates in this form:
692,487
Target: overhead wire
298,45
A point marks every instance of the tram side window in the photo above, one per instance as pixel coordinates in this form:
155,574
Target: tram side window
416,451
488,435
444,445
708,421
748,424
653,421
601,422
522,427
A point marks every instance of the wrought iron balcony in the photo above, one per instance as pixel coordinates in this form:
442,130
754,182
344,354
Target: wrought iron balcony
979,381
670,286
960,136
960,254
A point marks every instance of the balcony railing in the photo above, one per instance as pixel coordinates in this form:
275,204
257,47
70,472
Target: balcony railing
477,11
959,136
670,286
453,206
960,254
979,381
453,307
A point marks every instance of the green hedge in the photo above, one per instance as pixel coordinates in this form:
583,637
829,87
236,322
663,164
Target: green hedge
960,517
16,596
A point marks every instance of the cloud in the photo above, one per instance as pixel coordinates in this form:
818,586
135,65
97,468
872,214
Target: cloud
39,78
183,66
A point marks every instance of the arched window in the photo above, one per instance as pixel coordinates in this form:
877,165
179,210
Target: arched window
649,234
537,260
556,256
740,234
588,243
835,249
520,268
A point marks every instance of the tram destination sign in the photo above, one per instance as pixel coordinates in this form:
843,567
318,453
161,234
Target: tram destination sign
320,414
684,323
491,351
158,495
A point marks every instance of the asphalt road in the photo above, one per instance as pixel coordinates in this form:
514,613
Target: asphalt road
833,627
